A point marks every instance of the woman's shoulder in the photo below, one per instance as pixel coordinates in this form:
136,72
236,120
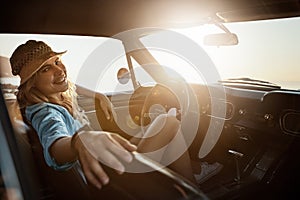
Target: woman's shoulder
43,107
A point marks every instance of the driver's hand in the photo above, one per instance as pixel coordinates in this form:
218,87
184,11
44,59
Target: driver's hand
106,106
97,147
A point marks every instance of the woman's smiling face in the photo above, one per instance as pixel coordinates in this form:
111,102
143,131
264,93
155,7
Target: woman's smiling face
51,79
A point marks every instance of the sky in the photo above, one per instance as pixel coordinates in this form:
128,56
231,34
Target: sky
267,50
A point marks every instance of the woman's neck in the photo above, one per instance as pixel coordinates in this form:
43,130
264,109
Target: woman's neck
56,97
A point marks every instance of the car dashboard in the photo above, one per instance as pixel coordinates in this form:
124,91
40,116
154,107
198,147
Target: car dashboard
261,128
259,133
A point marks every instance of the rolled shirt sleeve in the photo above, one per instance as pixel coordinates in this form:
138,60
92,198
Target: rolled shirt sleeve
52,122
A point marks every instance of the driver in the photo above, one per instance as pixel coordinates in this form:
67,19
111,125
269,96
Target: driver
48,102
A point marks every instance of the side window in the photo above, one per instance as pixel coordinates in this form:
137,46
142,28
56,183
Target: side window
142,77
108,79
100,67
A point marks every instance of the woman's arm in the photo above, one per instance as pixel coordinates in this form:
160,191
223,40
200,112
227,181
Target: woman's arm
93,148
85,91
105,103
62,151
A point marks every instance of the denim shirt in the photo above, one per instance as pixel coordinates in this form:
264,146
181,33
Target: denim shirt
51,122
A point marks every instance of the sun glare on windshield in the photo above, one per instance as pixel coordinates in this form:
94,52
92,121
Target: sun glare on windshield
268,50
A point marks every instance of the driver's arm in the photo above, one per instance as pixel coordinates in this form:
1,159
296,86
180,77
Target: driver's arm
105,103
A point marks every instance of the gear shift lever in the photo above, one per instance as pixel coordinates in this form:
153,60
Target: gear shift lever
236,155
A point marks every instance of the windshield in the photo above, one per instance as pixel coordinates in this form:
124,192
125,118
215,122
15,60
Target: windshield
267,50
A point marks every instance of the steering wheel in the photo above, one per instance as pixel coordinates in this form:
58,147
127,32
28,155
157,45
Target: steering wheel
148,102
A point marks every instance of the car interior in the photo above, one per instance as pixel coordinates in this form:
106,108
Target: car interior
258,123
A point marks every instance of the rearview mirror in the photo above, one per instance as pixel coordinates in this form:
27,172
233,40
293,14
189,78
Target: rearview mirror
221,39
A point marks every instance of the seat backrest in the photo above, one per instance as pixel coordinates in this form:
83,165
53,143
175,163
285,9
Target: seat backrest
65,184
52,184
20,133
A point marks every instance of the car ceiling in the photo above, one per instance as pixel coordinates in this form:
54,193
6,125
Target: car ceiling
109,17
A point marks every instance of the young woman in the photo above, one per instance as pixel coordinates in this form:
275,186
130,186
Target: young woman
49,102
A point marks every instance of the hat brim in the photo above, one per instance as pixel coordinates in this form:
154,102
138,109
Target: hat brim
28,71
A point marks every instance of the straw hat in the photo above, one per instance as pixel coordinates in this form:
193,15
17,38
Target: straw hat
28,58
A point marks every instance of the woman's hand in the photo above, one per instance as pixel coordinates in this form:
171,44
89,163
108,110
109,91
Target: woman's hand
95,147
106,106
